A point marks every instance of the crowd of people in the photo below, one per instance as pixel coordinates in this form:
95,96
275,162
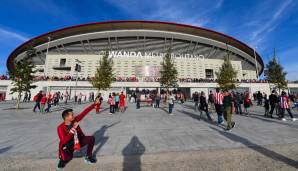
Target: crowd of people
136,79
240,103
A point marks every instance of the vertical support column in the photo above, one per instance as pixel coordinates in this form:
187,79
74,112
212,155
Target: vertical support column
45,63
256,64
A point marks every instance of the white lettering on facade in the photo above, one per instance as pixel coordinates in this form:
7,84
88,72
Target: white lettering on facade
139,54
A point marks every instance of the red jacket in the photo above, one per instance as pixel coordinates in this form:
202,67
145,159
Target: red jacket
65,135
43,100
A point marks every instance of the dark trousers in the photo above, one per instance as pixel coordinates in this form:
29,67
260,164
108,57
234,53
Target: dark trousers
157,103
260,101
117,106
171,106
282,112
48,108
238,108
112,108
67,154
138,104
272,109
218,108
37,105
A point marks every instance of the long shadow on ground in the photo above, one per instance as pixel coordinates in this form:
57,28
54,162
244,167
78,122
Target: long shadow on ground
266,152
270,120
3,150
132,153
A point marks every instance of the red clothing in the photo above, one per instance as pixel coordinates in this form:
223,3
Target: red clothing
284,102
43,100
122,100
66,135
218,98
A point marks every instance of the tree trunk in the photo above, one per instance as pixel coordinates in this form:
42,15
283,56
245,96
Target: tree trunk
18,100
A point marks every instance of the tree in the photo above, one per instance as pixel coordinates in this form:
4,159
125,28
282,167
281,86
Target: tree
22,75
168,72
104,73
275,74
227,76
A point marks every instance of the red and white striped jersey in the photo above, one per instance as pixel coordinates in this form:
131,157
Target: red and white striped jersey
284,102
218,98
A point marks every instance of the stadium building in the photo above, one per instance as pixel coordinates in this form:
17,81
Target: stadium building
137,48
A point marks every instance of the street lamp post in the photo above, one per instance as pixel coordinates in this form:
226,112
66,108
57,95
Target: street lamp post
77,69
256,63
45,62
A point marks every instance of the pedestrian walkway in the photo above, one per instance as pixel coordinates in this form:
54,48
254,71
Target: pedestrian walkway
145,131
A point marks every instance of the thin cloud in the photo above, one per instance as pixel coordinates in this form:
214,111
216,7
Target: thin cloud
12,34
189,12
271,24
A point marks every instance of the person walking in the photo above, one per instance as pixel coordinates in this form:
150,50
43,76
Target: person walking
80,98
49,102
195,98
37,99
122,102
273,100
211,101
66,96
117,100
43,102
111,102
157,100
247,103
284,106
138,99
98,101
260,98
204,106
218,103
25,97
228,107
29,97
238,103
266,107
171,100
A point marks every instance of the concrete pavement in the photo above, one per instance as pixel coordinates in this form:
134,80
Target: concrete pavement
146,132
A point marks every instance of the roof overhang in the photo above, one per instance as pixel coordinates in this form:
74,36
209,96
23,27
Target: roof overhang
134,25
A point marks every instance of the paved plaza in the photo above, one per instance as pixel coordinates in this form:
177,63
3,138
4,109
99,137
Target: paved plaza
150,139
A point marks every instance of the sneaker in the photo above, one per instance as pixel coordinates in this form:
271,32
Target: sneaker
228,130
111,113
61,165
171,114
294,119
90,160
283,119
233,124
221,123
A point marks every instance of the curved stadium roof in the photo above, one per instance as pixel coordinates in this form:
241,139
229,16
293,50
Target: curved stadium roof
189,33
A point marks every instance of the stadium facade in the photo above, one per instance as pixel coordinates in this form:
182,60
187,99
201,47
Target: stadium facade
137,48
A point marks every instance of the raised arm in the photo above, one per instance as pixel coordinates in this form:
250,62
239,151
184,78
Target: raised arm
84,113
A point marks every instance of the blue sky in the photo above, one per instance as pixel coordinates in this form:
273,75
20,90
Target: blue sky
263,24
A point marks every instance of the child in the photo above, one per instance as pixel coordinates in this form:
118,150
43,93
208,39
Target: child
266,106
72,137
